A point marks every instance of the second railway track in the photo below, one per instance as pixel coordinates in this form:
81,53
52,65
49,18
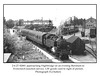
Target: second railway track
91,51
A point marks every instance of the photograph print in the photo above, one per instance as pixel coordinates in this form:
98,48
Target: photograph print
49,33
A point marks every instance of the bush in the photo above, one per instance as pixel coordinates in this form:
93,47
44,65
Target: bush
10,23
23,46
13,44
9,42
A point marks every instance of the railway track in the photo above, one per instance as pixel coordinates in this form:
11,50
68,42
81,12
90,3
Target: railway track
50,54
71,59
52,57
91,51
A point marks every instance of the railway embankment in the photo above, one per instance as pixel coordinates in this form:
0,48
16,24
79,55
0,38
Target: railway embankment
28,53
21,50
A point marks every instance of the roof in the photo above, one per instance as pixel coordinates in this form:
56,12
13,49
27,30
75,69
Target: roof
91,20
72,39
50,34
35,32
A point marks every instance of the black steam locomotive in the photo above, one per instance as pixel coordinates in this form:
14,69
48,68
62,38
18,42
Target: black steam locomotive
58,46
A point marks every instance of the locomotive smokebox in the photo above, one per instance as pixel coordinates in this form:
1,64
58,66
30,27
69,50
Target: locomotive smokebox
77,45
62,49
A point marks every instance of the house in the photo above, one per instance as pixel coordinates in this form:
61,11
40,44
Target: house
90,23
39,22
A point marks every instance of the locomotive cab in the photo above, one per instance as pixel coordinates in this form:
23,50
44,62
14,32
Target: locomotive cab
50,39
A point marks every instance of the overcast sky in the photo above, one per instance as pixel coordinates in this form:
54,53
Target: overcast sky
57,13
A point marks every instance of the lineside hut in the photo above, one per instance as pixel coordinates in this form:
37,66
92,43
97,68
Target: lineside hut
77,45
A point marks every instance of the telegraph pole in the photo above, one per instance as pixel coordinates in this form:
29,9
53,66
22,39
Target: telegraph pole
74,25
84,25
42,20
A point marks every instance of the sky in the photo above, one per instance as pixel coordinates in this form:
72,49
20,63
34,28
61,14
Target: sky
57,13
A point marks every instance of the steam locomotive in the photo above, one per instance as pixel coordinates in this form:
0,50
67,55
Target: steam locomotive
58,46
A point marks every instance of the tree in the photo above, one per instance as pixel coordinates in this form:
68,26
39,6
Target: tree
10,23
20,22
4,20
74,21
83,22
65,23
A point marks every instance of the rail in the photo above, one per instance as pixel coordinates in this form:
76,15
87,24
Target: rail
91,51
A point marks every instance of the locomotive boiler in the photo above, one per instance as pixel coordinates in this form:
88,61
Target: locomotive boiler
58,46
